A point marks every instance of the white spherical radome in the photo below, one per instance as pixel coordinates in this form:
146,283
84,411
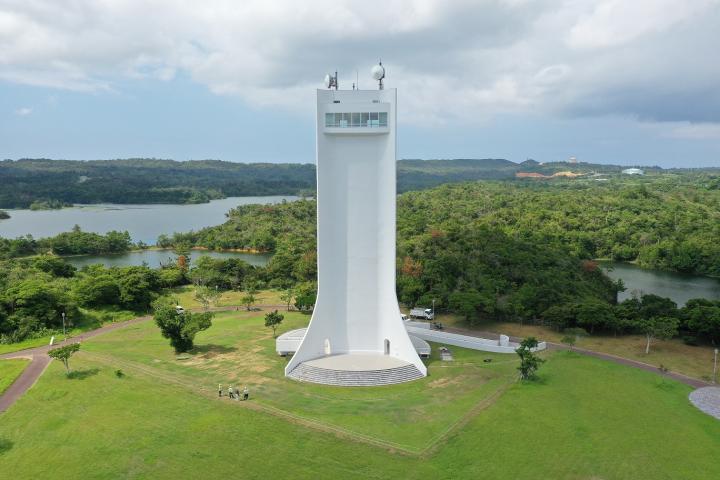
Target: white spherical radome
328,79
378,72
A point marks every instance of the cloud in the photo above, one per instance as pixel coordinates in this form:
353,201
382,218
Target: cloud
653,60
23,112
696,131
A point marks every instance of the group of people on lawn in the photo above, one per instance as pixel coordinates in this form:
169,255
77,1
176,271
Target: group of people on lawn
234,393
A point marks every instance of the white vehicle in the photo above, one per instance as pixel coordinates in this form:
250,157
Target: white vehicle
179,309
424,313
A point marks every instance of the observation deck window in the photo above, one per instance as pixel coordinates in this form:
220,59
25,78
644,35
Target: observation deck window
356,120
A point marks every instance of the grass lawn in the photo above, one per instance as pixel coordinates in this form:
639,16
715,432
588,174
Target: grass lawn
10,370
584,418
239,350
92,319
695,362
185,296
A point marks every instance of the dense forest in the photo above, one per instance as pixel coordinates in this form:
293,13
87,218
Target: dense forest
665,223
34,291
75,242
43,183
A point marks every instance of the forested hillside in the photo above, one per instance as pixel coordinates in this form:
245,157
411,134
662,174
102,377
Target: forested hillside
665,223
54,183
453,258
145,181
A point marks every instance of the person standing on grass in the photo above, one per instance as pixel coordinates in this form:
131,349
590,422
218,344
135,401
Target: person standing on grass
246,393
231,392
237,394
219,389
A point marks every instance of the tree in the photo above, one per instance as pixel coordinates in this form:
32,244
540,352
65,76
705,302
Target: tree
658,328
560,316
180,328
97,289
64,353
594,313
702,318
569,340
305,296
138,285
657,306
248,300
182,250
572,335
272,320
529,362
206,296
287,296
466,303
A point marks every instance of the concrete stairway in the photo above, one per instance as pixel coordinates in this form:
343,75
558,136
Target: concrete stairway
355,378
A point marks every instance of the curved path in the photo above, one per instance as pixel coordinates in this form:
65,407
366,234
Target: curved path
691,381
40,358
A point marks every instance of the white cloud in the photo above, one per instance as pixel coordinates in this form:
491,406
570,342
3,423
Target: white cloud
696,131
23,112
618,22
465,60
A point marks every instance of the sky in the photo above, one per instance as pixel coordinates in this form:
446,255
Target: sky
607,81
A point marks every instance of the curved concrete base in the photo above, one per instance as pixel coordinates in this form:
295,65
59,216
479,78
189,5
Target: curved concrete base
707,399
356,370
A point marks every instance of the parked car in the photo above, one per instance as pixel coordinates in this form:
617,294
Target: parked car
424,313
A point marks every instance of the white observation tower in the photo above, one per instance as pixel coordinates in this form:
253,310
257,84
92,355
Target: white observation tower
356,335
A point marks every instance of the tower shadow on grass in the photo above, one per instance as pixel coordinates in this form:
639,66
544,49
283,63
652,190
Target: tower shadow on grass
83,374
212,349
5,445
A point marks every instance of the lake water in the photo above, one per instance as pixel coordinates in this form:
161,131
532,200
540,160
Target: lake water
144,222
679,287
155,257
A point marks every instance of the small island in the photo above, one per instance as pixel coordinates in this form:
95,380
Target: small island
48,205
4,215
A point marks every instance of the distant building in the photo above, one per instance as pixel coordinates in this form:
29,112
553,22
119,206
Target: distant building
530,175
573,160
633,171
567,174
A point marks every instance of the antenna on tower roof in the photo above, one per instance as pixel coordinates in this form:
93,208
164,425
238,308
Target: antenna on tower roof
378,73
331,81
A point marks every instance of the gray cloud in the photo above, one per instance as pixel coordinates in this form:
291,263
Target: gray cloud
653,60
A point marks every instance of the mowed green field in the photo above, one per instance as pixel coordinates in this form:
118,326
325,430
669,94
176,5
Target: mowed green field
10,370
584,418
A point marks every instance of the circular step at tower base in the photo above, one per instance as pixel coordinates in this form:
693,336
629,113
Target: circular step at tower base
356,370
